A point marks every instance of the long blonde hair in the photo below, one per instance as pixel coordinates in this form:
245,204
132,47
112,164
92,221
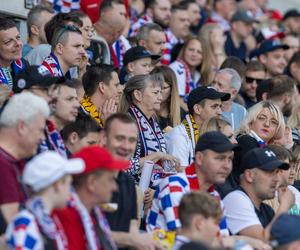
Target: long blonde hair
294,119
213,124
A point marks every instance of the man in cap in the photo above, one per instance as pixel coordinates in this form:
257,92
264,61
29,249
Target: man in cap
212,165
285,234
271,55
84,223
49,176
244,208
203,103
241,28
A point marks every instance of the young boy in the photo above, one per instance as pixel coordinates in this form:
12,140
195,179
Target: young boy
48,175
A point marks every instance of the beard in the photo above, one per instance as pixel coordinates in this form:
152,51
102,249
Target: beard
287,110
161,23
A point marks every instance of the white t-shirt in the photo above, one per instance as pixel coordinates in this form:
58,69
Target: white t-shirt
239,211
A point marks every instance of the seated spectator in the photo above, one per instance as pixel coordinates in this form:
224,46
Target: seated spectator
141,99
169,114
83,222
22,122
10,51
199,214
102,92
294,45
241,28
284,232
255,73
244,208
194,15
293,68
82,132
49,177
37,17
227,80
213,163
67,50
290,22
294,122
203,103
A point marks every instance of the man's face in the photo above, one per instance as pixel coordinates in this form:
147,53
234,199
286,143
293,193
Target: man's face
44,18
274,62
294,44
121,139
104,186
222,83
287,108
162,12
265,183
194,14
67,105
293,25
156,42
212,108
242,29
114,89
252,79
73,50
227,8
10,45
214,166
180,24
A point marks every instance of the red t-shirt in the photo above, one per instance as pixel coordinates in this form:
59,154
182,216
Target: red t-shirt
11,189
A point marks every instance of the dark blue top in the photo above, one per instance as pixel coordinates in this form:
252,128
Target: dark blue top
231,50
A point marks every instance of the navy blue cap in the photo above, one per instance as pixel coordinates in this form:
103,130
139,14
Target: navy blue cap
262,158
136,53
269,46
215,141
285,230
244,16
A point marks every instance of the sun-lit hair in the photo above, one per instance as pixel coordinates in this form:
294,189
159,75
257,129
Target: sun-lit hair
294,119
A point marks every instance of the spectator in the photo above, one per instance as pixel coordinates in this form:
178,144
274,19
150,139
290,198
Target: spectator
290,22
293,68
241,29
213,156
152,37
228,80
102,92
169,114
235,63
203,103
22,123
49,176
223,11
37,17
250,216
10,51
198,213
283,93
82,220
142,99
67,50
194,15
294,45
83,132
271,55
255,74
294,122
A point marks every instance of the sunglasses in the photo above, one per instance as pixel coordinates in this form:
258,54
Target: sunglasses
250,80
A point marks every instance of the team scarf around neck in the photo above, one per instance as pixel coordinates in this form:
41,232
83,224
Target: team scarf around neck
88,225
16,67
191,129
152,138
91,109
52,64
260,141
47,225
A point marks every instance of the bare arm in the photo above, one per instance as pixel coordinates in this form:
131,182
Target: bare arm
9,211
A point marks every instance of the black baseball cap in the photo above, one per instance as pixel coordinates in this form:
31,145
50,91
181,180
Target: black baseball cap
285,230
291,13
262,158
244,16
34,76
136,53
215,141
200,93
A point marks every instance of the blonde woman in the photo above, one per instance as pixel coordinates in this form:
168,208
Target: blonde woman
294,122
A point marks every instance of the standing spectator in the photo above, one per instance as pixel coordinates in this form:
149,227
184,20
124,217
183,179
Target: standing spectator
241,29
22,122
102,92
10,51
67,50
255,74
37,17
212,165
228,80
244,208
203,103
49,176
82,220
152,37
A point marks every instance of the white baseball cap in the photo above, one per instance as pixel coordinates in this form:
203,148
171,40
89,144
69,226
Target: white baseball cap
48,167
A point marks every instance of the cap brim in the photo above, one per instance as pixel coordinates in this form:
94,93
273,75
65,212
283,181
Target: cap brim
74,166
221,148
275,164
283,46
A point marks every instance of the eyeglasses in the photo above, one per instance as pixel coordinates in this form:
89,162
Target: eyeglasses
62,30
250,80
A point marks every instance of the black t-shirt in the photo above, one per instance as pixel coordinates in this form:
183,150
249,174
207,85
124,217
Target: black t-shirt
127,204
